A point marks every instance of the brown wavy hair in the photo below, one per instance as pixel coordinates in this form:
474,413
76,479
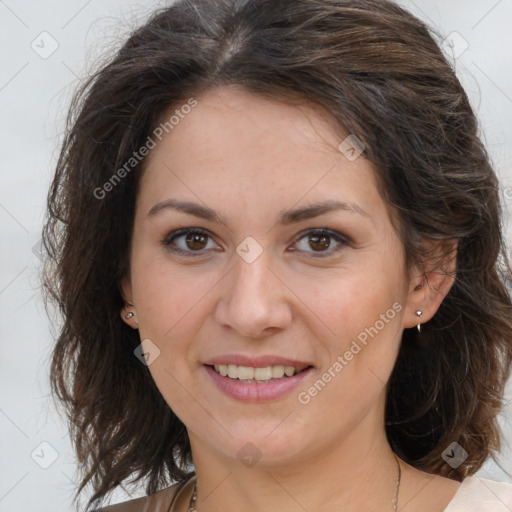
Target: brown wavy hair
380,72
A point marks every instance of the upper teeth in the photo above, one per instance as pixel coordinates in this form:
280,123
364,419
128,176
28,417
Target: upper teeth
248,373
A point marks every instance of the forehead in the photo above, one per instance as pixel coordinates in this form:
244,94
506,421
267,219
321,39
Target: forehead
226,115
235,138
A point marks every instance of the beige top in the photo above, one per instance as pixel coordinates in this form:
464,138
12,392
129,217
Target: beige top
481,495
474,495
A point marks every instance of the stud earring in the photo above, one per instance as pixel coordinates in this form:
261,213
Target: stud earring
418,314
129,315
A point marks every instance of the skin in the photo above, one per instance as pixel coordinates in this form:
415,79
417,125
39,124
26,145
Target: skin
250,158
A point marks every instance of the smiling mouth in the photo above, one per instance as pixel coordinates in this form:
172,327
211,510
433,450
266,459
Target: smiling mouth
261,375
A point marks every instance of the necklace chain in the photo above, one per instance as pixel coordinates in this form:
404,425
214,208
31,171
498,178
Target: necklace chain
192,504
398,480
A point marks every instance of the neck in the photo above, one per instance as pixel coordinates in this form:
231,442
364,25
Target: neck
358,474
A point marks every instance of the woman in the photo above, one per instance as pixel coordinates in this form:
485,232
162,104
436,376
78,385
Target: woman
274,237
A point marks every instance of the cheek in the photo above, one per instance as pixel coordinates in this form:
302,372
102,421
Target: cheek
360,356
170,310
168,296
348,300
357,317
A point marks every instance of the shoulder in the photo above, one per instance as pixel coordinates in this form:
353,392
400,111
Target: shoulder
476,494
158,502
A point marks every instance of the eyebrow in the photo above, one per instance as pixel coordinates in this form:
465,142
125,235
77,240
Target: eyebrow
286,217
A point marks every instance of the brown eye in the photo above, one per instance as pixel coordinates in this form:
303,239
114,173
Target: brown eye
196,241
320,241
190,242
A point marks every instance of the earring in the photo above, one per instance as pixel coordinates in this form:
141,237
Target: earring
418,314
131,314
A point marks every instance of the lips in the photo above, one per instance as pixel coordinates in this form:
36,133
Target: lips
256,379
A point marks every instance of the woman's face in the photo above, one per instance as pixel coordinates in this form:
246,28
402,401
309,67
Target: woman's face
263,288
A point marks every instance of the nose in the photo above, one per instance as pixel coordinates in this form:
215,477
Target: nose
254,301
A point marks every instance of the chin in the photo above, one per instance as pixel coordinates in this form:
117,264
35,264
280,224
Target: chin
265,446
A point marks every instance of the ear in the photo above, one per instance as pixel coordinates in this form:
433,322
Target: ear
431,282
128,311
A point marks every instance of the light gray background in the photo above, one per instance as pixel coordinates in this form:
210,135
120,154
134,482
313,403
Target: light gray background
34,95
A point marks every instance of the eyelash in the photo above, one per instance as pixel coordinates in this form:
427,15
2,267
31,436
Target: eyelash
171,237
